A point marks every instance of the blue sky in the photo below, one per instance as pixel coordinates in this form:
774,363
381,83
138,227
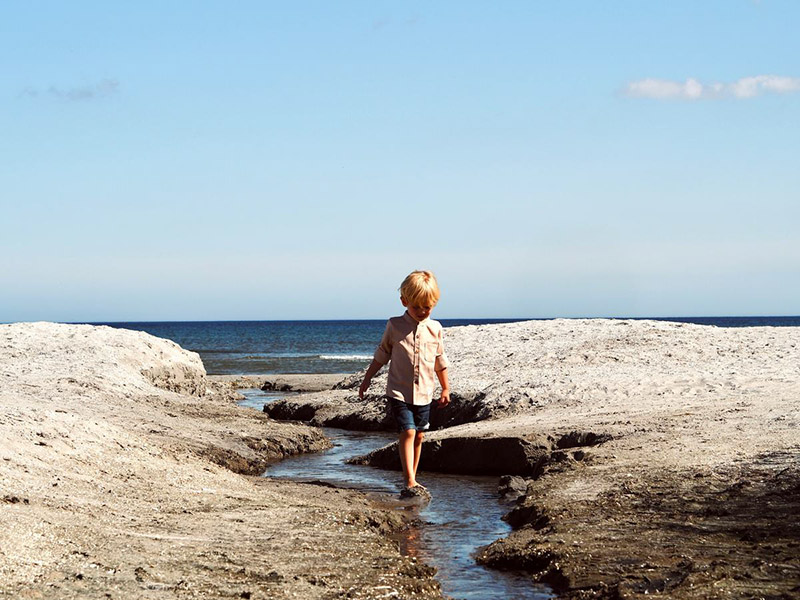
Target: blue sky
263,160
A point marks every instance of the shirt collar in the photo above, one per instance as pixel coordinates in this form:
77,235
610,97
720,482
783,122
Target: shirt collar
413,321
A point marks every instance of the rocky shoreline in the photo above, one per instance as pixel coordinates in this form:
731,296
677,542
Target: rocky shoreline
651,457
125,473
648,457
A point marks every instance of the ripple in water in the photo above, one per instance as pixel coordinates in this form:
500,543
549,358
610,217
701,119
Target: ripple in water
463,515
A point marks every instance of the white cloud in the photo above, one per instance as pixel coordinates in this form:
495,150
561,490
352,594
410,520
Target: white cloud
692,89
101,89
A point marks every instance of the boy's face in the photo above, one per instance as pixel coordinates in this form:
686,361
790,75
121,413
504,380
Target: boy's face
418,313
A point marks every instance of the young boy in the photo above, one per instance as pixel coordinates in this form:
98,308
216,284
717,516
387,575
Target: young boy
413,343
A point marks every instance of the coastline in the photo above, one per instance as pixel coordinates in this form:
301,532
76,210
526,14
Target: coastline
649,457
126,471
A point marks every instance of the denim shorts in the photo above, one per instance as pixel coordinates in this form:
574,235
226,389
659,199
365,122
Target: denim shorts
410,416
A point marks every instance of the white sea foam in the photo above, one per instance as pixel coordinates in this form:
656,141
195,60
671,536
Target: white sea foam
267,355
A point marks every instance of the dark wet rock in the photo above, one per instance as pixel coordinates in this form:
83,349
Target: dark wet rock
561,461
415,492
527,513
288,410
334,409
524,554
10,499
578,439
511,487
272,386
376,419
418,570
462,409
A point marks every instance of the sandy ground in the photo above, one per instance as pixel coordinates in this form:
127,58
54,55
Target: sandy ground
123,475
660,457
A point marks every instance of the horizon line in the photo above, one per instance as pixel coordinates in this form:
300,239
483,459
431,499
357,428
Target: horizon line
654,318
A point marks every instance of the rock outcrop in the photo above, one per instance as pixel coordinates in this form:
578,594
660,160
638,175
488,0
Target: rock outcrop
119,476
669,460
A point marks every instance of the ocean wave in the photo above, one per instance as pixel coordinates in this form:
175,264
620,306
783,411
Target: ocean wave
278,355
249,356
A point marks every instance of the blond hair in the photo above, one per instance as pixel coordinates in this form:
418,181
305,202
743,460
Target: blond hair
420,288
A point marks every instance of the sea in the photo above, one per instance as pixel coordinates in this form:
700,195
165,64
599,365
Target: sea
272,347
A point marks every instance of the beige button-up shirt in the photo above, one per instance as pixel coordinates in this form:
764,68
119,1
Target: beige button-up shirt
416,352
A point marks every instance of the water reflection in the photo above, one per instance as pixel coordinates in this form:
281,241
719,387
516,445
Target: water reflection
463,515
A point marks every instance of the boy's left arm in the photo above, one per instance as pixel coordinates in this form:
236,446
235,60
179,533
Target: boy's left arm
445,383
440,366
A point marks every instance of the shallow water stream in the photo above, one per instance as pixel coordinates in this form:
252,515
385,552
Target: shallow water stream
464,514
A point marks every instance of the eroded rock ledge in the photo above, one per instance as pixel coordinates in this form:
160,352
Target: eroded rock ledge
449,452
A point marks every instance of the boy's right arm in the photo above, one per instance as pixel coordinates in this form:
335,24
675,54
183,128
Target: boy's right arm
374,367
382,352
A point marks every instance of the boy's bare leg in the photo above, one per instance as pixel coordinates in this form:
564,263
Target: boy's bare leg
417,451
406,446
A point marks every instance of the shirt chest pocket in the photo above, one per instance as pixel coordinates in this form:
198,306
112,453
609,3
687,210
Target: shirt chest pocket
429,351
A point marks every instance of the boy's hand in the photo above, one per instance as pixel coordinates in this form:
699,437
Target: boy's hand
445,399
373,368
